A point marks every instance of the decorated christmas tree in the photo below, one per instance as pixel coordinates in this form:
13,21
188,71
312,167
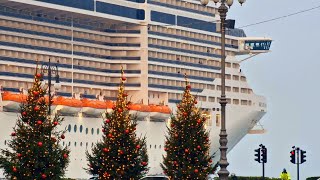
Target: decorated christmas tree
34,151
187,143
120,154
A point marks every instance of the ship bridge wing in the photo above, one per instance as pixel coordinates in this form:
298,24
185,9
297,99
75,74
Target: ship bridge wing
250,45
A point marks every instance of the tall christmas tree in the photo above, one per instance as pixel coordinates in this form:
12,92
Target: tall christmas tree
187,143
34,151
120,154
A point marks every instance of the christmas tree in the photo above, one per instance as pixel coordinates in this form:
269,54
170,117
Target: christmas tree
120,154
187,143
34,151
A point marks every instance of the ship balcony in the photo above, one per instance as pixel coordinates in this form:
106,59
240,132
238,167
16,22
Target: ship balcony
250,45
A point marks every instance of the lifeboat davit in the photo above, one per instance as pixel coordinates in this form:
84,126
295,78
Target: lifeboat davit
93,108
11,102
139,110
68,106
159,113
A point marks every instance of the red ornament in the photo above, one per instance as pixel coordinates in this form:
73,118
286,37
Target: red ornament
65,156
43,176
53,139
138,146
199,121
37,108
195,102
24,113
185,114
198,147
123,78
35,93
13,134
188,86
38,75
186,150
119,110
121,152
39,144
178,106
19,155
126,131
103,130
125,95
110,135
55,123
144,163
14,169
107,120
172,125
166,149
105,149
134,128
39,122
175,162
105,174
63,136
207,139
176,135
210,161
196,171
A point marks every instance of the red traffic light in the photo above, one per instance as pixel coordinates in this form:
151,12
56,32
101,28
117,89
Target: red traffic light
292,152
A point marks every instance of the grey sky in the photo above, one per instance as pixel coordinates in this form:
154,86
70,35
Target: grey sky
289,78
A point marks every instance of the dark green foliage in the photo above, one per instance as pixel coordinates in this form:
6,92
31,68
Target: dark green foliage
34,151
120,154
187,144
249,178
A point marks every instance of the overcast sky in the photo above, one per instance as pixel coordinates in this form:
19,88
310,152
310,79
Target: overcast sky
289,78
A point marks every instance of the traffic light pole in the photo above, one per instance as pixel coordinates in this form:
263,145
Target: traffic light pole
263,170
298,162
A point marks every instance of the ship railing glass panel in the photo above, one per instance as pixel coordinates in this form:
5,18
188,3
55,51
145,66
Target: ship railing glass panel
254,45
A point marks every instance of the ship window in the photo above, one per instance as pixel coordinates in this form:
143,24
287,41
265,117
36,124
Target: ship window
5,142
63,143
92,131
155,146
150,145
91,144
75,144
75,128
81,128
87,130
98,131
160,147
86,144
69,143
81,144
69,128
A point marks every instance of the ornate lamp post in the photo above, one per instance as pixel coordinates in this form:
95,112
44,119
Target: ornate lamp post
223,9
52,71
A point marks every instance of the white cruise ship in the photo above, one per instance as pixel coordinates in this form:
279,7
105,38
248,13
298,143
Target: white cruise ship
156,41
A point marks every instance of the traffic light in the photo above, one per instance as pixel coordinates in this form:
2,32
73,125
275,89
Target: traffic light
293,156
257,155
264,154
303,156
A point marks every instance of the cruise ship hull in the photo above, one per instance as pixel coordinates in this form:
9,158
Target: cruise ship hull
239,122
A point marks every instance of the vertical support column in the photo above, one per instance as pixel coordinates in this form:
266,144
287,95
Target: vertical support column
72,57
223,172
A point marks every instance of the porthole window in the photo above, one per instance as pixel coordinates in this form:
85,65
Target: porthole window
155,146
86,144
75,143
81,144
63,143
98,131
150,145
91,144
81,128
69,128
75,128
92,131
160,147
5,142
69,143
87,130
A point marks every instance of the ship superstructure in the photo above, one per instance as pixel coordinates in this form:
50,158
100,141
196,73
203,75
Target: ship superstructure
156,41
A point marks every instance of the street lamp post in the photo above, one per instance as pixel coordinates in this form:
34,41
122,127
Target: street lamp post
223,9
51,71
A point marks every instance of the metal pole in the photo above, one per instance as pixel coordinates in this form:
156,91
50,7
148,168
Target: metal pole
49,84
298,162
263,170
223,172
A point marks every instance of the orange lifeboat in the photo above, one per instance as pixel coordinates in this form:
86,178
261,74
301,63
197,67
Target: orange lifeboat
69,106
93,107
11,102
140,110
159,113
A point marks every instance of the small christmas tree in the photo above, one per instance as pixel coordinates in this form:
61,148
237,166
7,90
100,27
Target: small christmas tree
187,144
35,151
120,155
